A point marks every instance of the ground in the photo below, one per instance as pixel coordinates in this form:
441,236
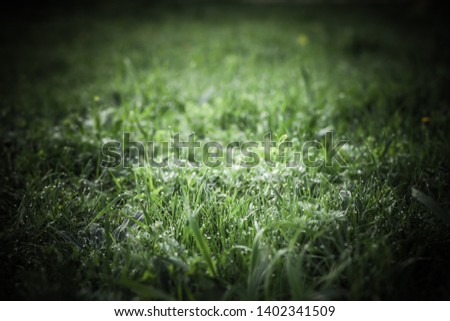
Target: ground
373,227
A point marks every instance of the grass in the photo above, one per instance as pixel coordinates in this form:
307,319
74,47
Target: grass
377,229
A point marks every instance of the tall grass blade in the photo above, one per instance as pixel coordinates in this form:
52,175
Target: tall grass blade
431,205
201,242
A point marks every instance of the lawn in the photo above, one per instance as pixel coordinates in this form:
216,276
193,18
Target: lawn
367,220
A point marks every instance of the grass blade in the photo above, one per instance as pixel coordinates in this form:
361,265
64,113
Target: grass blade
431,205
201,242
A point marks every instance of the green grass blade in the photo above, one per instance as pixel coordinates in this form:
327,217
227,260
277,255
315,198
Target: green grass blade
431,205
201,242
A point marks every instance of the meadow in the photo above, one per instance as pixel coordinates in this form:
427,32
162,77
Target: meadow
376,228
